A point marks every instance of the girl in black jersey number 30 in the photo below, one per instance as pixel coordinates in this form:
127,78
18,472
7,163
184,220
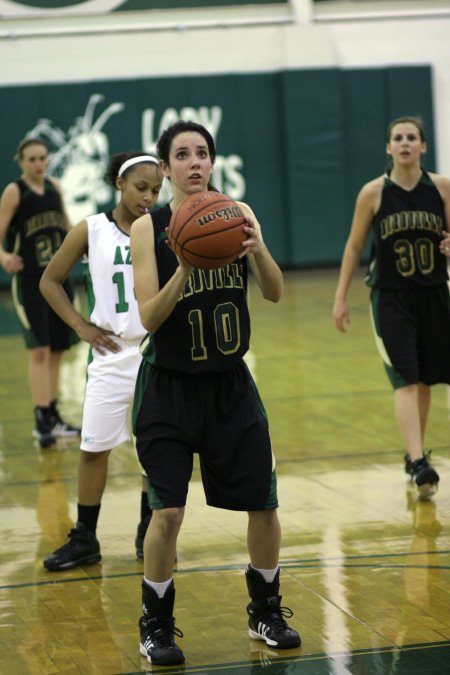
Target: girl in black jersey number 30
408,210
194,393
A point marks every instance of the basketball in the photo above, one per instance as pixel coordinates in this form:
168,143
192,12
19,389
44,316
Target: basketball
206,231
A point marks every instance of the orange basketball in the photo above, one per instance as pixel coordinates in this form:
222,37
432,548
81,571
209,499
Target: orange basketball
206,231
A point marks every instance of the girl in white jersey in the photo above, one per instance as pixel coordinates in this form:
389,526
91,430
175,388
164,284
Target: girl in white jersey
114,332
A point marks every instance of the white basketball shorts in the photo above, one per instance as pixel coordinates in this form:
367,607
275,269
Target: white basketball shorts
108,400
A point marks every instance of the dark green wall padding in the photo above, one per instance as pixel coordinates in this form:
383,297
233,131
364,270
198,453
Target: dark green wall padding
308,139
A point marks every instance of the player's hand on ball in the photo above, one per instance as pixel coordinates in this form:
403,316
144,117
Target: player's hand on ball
185,266
254,242
182,263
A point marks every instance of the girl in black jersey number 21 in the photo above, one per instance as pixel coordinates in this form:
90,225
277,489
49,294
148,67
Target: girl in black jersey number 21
34,222
408,211
194,393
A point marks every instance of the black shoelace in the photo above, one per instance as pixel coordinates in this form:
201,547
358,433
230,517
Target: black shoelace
276,617
163,632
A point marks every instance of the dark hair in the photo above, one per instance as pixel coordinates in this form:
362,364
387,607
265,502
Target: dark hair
167,136
417,121
25,142
117,161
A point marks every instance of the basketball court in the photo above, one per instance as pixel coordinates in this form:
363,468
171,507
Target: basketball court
365,565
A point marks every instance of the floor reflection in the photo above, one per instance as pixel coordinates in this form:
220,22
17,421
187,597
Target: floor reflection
365,564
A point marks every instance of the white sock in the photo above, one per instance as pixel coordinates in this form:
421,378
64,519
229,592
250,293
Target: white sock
159,589
268,575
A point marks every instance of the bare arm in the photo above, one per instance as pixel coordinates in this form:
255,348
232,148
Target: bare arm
51,286
155,304
367,203
8,206
266,271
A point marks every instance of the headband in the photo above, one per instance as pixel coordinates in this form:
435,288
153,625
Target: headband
136,160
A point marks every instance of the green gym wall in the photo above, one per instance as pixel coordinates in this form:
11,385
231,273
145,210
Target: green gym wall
296,145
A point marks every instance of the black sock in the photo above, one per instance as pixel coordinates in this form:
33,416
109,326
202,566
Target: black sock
145,508
88,515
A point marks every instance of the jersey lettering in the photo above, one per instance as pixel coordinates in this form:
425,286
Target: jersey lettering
410,220
46,246
122,305
412,257
227,330
229,276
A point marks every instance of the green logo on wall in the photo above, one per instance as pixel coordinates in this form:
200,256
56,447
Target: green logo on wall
79,156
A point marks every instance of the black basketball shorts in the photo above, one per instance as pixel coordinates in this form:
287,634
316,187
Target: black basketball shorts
412,333
218,415
41,326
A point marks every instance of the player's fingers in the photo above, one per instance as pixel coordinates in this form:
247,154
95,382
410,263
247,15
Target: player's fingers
104,344
111,346
341,323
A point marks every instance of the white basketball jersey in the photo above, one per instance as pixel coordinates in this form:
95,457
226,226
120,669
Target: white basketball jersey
109,280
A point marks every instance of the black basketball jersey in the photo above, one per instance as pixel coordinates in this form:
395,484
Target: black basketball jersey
209,328
37,229
406,235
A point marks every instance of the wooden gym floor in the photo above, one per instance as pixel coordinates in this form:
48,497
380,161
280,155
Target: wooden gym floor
366,567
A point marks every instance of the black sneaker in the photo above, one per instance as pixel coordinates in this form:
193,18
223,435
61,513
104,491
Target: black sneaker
423,475
140,536
157,628
60,428
265,614
45,437
43,428
269,625
82,548
63,429
158,642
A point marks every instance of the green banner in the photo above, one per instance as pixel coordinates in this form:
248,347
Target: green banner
296,145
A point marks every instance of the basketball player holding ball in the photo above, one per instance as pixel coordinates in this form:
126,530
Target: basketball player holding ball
194,393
